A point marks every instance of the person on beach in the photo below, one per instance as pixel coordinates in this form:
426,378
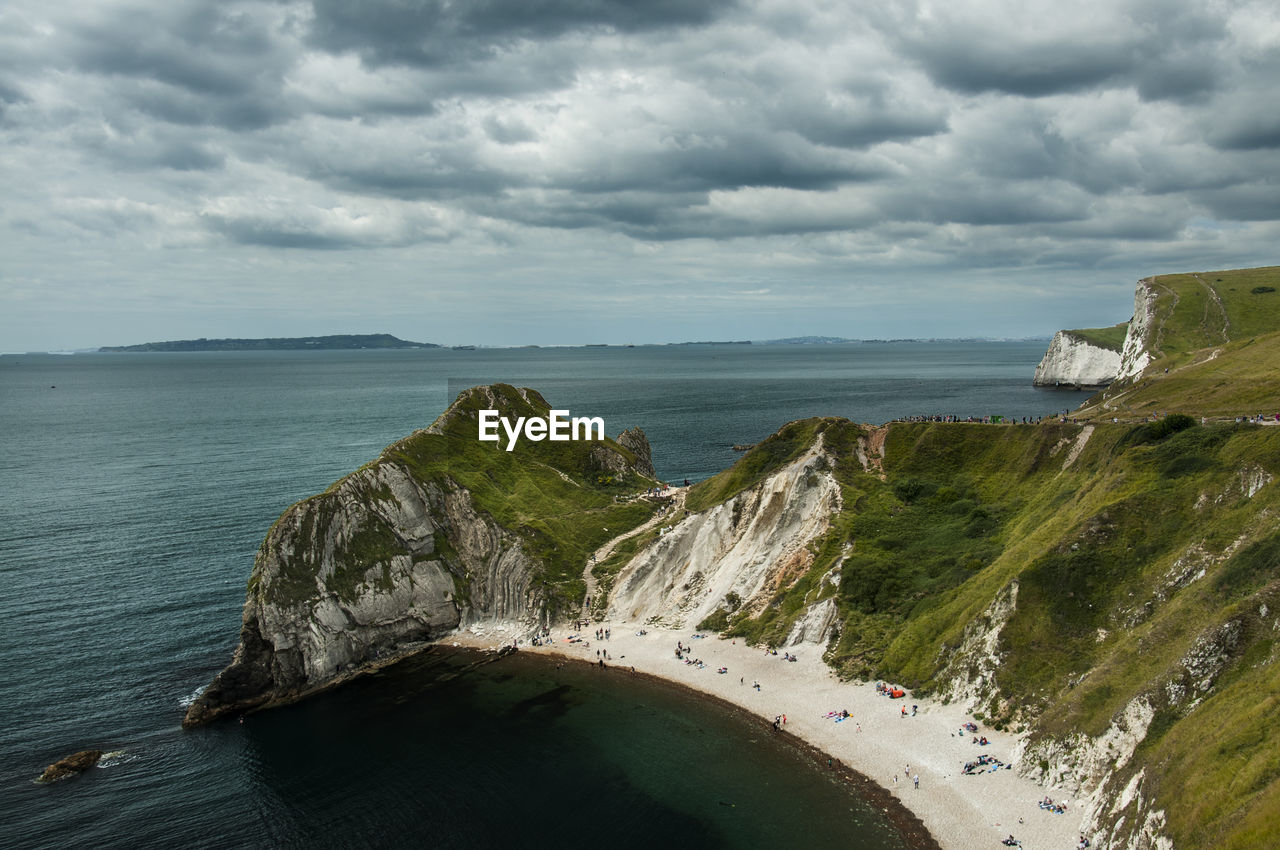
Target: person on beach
916,780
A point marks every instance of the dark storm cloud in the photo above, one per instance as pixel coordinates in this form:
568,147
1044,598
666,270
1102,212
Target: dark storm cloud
1252,132
253,233
243,111
1185,77
1163,48
10,94
435,33
1027,70
1255,201
508,131
438,180
862,131
694,162
289,224
977,202
188,63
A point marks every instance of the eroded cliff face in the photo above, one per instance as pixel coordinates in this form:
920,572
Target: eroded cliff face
736,554
1071,361
377,565
1138,341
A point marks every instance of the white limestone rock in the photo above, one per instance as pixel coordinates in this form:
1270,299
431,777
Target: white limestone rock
1071,361
1136,352
745,546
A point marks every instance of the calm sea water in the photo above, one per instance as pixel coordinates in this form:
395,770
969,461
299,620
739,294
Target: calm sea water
136,488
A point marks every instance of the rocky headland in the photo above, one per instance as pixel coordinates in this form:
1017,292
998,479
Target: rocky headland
423,541
1073,361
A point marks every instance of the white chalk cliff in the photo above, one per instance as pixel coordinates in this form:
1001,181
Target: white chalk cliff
1073,361
736,555
1136,353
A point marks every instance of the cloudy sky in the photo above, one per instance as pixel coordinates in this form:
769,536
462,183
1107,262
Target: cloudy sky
570,171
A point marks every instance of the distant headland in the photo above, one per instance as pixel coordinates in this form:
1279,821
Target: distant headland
298,343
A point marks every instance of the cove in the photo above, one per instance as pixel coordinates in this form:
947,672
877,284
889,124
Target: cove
532,752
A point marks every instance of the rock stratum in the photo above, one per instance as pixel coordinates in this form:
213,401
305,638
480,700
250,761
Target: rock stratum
1108,591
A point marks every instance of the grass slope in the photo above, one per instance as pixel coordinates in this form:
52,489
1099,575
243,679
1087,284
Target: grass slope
1111,338
1215,349
1147,568
762,460
1155,539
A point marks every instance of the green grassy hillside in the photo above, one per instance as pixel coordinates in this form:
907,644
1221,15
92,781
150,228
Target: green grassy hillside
1208,308
1115,568
1111,338
1156,538
1240,378
1215,349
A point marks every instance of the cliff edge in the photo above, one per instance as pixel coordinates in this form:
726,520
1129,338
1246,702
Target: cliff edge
1078,359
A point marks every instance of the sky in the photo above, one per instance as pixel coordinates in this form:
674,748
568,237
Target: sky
510,172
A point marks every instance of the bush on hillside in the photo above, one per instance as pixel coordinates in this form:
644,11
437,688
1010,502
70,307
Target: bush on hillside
1154,432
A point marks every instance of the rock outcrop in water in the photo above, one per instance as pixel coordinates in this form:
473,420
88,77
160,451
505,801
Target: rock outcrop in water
70,766
431,537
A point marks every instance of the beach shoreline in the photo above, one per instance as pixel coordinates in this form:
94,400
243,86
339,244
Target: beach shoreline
872,747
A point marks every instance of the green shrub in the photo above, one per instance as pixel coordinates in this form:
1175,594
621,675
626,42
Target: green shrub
716,621
1154,432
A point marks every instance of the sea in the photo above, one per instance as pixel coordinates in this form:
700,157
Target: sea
137,487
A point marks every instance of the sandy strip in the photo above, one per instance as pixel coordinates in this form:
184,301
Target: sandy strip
960,811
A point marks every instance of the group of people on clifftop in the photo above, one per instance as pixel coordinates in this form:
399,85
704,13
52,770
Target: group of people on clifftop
984,420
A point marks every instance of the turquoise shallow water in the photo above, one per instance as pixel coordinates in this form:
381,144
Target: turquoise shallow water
137,488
